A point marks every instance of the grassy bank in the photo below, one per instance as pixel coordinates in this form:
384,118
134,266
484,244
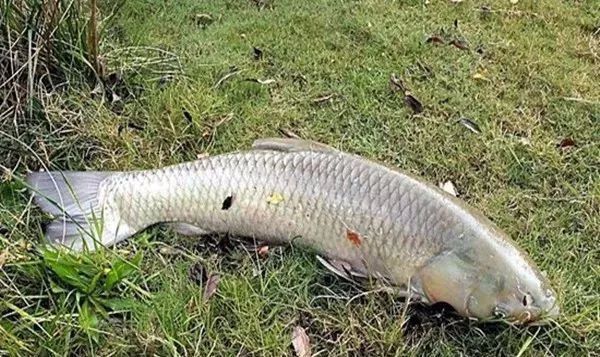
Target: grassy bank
187,78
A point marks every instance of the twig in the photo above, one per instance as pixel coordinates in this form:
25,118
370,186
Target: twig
580,100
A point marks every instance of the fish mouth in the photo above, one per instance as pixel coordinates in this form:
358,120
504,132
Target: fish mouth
539,317
546,317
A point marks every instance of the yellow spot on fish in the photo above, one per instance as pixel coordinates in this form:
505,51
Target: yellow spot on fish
275,198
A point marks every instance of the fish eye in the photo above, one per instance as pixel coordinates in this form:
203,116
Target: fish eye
527,300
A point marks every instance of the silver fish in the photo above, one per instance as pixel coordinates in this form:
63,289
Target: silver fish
367,218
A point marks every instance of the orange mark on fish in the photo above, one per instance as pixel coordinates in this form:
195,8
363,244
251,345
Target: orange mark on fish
353,237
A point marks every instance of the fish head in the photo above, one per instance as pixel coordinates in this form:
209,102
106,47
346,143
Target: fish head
489,279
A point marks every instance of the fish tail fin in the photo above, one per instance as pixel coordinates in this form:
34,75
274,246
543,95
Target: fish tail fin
71,197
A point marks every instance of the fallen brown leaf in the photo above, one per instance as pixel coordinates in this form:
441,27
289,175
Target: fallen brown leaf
413,103
460,44
435,39
566,143
187,115
397,85
257,53
197,273
203,19
301,342
211,286
470,124
3,258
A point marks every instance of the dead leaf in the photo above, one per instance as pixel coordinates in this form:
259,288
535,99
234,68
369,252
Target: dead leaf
203,19
413,103
263,251
3,258
211,286
396,84
470,124
187,114
435,39
323,99
514,2
257,53
275,198
480,76
460,44
197,273
486,9
449,187
353,237
566,143
301,342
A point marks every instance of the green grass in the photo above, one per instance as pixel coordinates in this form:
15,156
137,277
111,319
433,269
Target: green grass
540,60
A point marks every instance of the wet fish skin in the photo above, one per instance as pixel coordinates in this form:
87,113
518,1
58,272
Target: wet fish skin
379,220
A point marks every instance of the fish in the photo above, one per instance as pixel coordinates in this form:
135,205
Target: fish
363,218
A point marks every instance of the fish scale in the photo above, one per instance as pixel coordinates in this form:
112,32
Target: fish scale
369,215
377,220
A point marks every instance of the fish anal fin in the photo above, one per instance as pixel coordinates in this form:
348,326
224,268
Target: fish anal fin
290,145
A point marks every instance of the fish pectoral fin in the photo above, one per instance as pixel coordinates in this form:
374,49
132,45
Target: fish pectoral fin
187,229
290,145
340,268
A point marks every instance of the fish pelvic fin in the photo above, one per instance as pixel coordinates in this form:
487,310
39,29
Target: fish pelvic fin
187,229
73,199
291,145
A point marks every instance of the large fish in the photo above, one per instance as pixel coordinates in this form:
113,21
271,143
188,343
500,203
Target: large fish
366,219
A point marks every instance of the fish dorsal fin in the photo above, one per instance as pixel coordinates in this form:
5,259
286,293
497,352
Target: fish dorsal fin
290,145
